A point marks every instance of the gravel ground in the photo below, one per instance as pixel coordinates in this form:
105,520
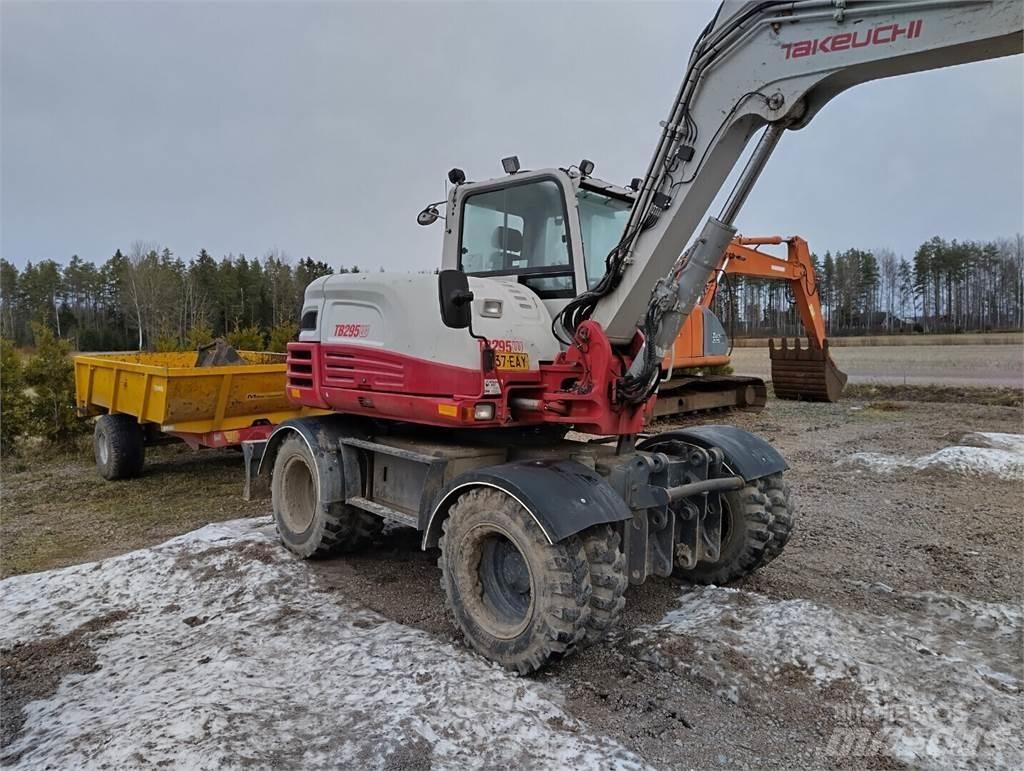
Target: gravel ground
865,544
887,635
965,365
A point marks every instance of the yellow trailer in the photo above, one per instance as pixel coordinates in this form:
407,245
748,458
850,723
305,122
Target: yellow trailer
143,395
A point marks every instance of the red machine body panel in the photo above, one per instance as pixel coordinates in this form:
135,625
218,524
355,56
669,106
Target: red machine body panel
576,389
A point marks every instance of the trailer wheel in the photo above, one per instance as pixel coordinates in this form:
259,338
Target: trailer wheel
746,535
118,445
304,526
517,599
607,578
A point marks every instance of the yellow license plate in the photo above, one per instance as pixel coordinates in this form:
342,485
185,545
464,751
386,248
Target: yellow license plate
511,361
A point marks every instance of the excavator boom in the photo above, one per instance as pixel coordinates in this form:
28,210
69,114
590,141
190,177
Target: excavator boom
757,64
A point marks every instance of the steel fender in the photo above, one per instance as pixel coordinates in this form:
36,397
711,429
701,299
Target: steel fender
337,467
747,454
563,497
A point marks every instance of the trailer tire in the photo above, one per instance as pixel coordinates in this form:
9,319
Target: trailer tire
776,488
305,527
608,580
518,600
119,447
746,535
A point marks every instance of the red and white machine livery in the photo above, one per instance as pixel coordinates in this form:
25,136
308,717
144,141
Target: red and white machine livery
453,395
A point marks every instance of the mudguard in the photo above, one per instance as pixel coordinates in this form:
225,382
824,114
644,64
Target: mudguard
746,454
563,497
337,466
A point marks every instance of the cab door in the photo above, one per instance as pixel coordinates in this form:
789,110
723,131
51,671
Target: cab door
522,228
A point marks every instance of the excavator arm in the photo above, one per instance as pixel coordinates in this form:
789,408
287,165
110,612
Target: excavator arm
798,372
757,64
797,269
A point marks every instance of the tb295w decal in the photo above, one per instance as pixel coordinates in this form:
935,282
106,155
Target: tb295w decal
508,346
351,330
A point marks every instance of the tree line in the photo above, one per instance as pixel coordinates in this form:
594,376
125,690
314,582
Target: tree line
946,287
150,298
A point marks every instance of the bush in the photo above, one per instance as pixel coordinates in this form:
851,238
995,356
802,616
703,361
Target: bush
246,339
51,374
281,335
199,335
167,344
13,400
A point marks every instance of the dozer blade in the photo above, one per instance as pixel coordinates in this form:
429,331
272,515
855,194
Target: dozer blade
687,395
807,374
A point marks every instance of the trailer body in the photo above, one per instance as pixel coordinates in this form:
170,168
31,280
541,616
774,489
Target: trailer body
143,397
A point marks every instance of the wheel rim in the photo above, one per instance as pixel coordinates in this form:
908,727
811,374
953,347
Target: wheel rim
504,594
505,579
103,449
298,499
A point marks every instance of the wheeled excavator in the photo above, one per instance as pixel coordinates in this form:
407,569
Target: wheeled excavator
454,397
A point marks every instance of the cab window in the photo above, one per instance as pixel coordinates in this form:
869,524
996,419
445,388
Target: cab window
519,230
602,222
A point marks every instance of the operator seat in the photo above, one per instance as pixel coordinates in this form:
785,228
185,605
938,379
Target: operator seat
508,243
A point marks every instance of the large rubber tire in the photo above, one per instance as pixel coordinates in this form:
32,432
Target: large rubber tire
746,535
518,600
118,445
607,579
303,525
776,489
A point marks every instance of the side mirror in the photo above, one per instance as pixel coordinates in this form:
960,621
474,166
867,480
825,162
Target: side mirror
455,298
428,216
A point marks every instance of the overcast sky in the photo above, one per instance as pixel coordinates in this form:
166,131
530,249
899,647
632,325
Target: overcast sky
322,129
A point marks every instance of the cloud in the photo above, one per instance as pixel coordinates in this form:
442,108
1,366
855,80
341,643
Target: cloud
321,129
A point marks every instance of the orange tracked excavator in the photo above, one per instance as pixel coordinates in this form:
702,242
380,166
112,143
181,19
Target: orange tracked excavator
806,373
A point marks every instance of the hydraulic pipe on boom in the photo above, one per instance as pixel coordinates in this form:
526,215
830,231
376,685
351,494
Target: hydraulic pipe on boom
705,255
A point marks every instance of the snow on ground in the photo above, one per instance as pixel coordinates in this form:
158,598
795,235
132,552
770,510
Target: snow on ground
1011,442
231,655
979,454
941,675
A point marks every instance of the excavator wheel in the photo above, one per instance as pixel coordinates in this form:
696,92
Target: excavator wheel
805,374
518,599
305,527
776,490
746,533
602,544
756,524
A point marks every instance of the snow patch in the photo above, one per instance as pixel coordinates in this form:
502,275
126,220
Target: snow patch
1009,442
232,655
942,674
980,454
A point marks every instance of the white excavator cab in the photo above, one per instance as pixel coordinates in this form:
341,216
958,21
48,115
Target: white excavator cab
548,230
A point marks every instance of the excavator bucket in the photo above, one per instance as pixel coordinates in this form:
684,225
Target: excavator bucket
806,374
